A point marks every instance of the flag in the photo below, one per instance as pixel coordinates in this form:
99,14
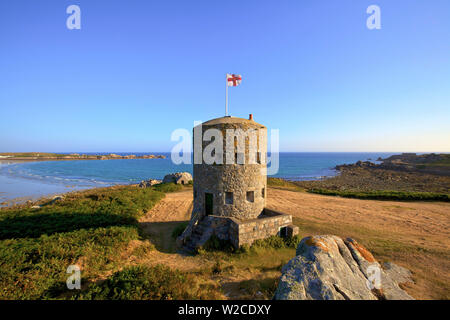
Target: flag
233,80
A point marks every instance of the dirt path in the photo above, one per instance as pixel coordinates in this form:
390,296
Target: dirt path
161,220
176,206
159,223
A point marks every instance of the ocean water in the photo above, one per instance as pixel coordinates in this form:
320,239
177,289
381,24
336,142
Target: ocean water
37,178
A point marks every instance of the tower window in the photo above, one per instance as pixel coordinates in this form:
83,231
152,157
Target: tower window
251,196
228,197
263,192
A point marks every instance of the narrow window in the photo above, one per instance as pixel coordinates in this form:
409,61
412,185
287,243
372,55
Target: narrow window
250,196
263,192
228,197
258,157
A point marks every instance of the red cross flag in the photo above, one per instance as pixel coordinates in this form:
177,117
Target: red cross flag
233,80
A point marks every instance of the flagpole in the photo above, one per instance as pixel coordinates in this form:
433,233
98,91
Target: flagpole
226,95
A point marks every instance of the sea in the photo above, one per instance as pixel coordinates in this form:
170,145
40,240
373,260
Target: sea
31,180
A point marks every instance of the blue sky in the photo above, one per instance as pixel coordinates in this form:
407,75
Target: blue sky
137,70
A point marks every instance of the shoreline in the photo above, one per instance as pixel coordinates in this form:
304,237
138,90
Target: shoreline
361,176
83,157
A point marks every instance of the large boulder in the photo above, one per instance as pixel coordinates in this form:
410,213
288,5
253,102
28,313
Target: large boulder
330,268
178,178
149,183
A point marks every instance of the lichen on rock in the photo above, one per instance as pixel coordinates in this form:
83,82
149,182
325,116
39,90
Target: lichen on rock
328,268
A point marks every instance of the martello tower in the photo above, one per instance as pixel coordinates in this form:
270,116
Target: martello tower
230,186
235,183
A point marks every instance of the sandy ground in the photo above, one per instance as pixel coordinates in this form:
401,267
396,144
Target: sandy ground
420,223
159,223
416,234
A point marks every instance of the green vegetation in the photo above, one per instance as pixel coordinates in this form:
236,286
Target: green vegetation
167,187
276,242
278,183
89,209
179,229
87,228
32,154
36,268
385,195
258,266
144,283
273,242
444,162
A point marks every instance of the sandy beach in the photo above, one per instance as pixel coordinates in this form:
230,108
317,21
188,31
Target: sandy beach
16,190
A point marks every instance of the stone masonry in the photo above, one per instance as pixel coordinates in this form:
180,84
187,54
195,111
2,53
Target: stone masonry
230,197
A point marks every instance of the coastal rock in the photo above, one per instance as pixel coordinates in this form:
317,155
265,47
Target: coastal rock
397,273
149,183
358,164
178,178
329,268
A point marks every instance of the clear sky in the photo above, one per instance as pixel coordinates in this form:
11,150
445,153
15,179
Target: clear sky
137,70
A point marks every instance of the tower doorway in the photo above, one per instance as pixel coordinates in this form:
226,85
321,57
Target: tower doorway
208,203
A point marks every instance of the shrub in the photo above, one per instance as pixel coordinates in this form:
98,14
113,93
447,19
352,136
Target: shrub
90,209
87,228
167,187
386,195
216,244
36,268
179,229
146,283
275,242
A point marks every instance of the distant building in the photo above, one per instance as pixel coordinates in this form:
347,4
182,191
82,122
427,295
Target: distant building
230,198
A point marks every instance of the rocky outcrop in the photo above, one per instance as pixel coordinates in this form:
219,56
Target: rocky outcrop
359,164
149,183
330,268
178,178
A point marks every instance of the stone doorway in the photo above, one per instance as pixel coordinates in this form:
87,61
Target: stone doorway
208,203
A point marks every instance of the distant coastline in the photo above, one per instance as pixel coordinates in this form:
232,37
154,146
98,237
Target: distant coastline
43,174
39,156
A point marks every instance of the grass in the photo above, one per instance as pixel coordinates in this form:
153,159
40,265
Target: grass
90,209
252,272
148,283
278,183
36,268
98,230
89,228
385,195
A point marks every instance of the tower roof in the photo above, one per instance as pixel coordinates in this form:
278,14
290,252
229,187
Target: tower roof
232,120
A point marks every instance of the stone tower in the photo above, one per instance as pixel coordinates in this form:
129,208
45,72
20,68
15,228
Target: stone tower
236,189
230,185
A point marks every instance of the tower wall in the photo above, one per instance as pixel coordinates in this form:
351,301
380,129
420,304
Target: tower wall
241,180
